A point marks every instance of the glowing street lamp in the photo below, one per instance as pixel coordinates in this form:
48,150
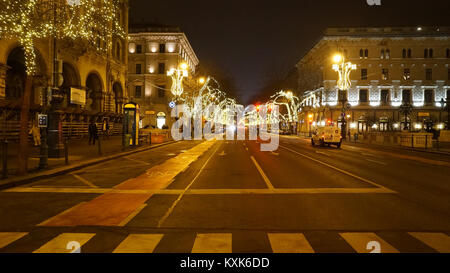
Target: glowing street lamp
344,69
178,75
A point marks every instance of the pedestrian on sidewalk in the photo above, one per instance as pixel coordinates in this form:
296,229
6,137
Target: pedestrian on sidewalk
36,132
106,129
93,133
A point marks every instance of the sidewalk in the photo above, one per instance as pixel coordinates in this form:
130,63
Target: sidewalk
81,154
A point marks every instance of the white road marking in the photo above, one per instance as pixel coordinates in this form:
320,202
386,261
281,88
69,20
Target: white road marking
376,161
360,241
139,243
340,170
84,180
59,244
7,238
437,241
263,175
137,161
206,191
132,215
164,218
289,243
213,243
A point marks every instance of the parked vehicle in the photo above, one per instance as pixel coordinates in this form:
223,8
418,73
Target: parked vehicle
328,135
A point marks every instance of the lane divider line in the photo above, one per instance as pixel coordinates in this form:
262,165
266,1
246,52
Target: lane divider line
261,172
340,170
208,191
167,214
132,215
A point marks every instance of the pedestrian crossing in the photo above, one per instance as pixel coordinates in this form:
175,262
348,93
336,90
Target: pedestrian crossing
360,242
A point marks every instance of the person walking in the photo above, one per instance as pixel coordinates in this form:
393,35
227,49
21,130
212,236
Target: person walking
36,132
93,133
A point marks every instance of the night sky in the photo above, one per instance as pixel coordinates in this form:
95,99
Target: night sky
257,40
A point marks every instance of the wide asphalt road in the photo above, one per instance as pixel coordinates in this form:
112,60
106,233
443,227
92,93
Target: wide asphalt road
228,196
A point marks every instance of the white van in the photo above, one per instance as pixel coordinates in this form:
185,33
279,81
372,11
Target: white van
328,135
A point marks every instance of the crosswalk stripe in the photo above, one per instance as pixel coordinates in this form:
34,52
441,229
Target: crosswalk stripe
63,243
139,243
437,241
289,243
360,242
213,243
7,238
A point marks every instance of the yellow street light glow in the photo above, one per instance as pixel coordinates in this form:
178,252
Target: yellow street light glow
184,66
201,80
337,58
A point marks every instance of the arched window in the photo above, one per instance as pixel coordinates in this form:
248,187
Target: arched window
404,53
382,54
388,54
430,52
448,53
409,53
425,53
361,53
366,53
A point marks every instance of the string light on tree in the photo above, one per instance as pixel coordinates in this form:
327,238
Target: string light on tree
94,22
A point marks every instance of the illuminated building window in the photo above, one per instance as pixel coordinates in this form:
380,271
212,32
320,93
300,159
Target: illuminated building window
162,48
363,96
138,91
429,74
364,74
382,54
388,54
138,49
406,74
162,68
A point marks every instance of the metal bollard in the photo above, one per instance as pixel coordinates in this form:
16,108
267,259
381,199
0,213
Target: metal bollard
5,159
66,151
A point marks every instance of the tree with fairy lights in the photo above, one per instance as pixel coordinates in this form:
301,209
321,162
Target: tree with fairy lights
93,23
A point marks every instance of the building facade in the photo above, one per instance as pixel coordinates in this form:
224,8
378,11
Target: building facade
153,50
395,68
97,78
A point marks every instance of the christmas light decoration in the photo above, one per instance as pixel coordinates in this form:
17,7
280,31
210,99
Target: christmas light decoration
94,22
344,69
177,75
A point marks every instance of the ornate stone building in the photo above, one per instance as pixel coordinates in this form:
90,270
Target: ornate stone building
153,50
395,66
100,77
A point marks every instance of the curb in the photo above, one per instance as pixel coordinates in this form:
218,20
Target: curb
406,149
22,180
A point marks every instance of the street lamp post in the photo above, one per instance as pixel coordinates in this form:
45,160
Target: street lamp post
343,69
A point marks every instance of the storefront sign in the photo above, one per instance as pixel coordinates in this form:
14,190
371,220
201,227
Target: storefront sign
421,114
77,96
150,112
